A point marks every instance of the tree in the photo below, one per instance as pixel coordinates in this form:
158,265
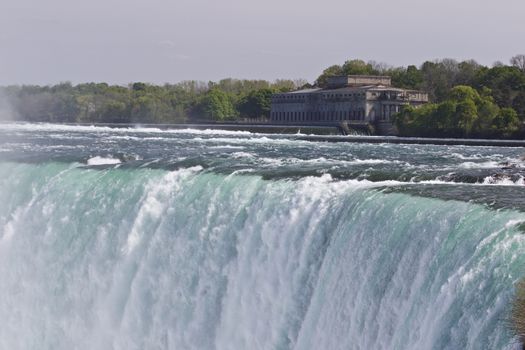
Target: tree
358,67
115,112
380,67
468,72
465,113
505,82
507,122
518,104
144,109
256,103
445,118
217,104
518,61
439,77
331,71
409,78
139,86
487,112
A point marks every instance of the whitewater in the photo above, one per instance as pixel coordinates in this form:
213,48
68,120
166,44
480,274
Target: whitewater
157,239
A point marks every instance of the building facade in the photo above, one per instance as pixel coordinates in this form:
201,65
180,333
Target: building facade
358,101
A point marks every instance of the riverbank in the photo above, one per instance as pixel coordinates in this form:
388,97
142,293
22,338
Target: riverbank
261,128
315,133
415,140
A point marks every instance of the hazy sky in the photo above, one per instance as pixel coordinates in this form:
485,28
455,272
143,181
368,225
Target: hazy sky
120,41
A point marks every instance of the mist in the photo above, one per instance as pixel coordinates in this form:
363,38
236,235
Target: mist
7,111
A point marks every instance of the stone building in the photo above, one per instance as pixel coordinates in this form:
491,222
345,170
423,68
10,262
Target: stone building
358,101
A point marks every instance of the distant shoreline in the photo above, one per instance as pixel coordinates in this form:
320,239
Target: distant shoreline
314,133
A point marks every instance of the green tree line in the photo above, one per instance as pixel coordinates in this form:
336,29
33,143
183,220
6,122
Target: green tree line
228,99
467,99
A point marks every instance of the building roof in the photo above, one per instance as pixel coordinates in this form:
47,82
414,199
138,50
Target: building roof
364,76
350,89
304,91
338,81
342,89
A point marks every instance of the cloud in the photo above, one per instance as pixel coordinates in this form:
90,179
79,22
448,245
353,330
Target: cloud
167,44
172,47
181,57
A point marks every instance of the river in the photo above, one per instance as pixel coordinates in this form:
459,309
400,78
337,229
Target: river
140,238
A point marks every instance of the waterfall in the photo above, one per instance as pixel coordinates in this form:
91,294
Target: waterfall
140,258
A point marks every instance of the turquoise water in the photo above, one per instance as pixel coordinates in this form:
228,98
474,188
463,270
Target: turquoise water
142,239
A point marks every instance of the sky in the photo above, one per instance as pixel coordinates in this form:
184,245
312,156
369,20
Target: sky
161,41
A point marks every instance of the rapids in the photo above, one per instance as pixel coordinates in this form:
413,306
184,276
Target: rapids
149,239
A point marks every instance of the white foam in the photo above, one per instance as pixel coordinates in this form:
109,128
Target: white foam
482,165
512,223
95,128
316,161
97,160
242,155
155,203
504,181
226,147
465,157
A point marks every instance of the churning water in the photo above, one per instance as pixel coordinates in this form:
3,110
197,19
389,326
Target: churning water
150,239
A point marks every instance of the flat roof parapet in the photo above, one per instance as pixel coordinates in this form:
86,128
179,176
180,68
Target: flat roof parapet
339,81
